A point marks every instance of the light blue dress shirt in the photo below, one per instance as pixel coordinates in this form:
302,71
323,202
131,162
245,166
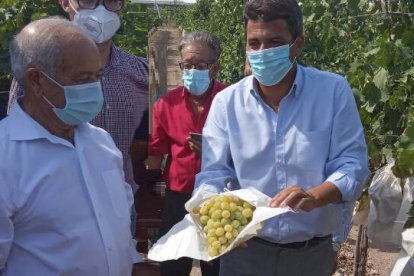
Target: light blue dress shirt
64,209
316,136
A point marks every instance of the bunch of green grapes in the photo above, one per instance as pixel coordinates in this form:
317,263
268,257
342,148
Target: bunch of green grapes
223,217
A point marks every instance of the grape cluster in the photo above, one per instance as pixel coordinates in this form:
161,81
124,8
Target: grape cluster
223,217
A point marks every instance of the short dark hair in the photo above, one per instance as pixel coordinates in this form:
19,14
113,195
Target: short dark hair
269,10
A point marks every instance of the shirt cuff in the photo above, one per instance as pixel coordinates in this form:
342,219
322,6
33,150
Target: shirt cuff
135,256
207,189
344,184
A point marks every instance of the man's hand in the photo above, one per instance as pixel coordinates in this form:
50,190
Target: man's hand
298,199
194,145
294,197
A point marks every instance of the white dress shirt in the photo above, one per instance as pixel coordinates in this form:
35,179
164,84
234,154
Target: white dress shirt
316,136
64,208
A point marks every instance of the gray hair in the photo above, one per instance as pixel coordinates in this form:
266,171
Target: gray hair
37,46
203,38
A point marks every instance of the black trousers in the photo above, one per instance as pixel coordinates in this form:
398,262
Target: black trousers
173,213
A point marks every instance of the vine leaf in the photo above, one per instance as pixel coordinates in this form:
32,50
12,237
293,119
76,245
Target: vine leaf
380,80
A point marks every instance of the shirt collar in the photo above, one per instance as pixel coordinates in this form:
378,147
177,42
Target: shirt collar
294,90
29,129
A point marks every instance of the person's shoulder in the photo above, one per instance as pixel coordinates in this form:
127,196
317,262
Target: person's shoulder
317,74
172,96
129,58
237,89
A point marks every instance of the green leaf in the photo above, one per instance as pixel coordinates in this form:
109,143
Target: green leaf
380,80
408,38
372,96
404,163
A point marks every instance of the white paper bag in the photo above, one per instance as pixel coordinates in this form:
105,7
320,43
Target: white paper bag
407,198
404,266
386,197
186,238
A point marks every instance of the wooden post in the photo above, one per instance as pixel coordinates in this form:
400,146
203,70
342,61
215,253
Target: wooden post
361,252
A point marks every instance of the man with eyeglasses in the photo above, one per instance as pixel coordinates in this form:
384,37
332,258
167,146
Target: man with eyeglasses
176,115
124,78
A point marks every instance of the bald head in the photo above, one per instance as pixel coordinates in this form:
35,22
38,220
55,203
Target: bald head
43,43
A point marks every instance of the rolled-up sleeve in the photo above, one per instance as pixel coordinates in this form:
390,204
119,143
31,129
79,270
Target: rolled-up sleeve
347,166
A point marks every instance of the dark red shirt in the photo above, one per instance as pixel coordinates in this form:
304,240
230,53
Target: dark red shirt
173,120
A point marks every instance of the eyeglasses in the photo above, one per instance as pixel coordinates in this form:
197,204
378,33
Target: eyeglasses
110,5
198,66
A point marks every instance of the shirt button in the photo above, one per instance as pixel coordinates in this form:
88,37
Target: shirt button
108,106
109,249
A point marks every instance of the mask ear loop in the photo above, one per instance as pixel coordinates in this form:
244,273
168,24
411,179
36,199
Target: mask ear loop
46,99
290,46
70,4
293,43
50,78
49,102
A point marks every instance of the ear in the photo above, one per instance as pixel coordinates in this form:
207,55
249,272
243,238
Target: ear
215,69
34,81
121,12
247,69
298,47
65,5
68,8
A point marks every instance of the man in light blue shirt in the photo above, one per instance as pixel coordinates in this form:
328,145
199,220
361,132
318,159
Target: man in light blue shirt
64,203
293,133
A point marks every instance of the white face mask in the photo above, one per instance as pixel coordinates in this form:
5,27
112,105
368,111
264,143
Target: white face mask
100,24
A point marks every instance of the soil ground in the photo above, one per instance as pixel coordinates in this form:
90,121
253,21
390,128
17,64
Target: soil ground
380,262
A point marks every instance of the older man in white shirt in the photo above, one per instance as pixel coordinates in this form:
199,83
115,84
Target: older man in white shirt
65,210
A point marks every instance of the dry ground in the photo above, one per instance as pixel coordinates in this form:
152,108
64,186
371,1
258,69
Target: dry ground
380,262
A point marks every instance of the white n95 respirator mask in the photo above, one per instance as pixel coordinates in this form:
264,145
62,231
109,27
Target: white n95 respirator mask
99,23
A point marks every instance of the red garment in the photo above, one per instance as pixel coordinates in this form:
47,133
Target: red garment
173,120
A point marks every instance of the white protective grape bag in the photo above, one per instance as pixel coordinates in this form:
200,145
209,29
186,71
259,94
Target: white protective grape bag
186,238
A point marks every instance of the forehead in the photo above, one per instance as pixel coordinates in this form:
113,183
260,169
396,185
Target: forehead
79,54
196,52
259,29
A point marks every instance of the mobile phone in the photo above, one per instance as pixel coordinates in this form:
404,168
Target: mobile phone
196,136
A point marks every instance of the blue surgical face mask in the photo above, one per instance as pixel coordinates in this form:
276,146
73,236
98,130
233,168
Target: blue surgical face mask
196,81
83,102
270,66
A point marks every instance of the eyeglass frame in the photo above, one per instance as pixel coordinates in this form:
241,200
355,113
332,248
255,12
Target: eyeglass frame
98,2
181,64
